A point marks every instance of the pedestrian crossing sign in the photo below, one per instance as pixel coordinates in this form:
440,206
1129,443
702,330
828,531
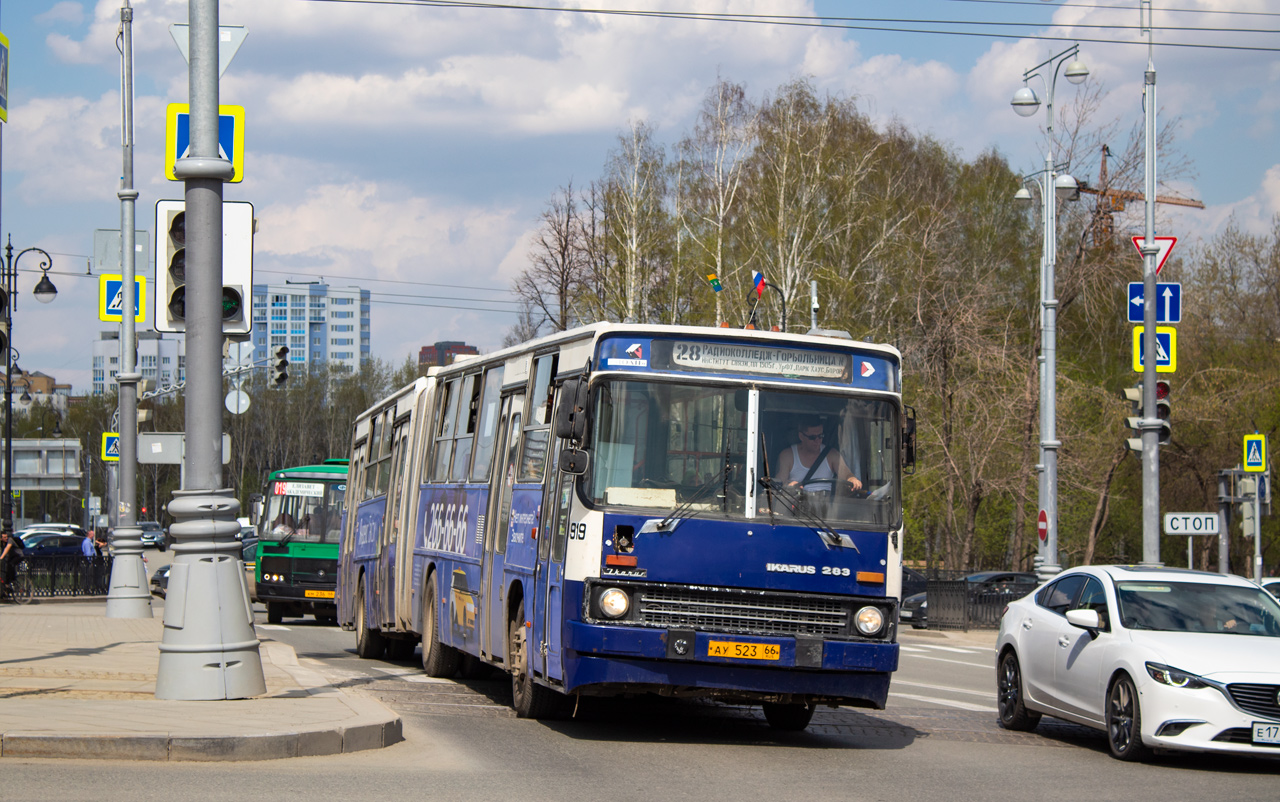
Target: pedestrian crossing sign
1255,453
111,298
1166,349
110,446
178,138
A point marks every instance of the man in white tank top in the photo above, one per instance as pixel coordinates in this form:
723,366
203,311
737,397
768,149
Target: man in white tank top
794,463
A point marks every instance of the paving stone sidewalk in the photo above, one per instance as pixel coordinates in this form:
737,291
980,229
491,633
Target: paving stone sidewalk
74,683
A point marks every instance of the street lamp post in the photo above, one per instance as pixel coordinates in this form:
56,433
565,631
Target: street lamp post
1052,185
44,292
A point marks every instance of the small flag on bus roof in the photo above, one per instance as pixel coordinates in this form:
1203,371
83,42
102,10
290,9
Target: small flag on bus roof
757,280
715,282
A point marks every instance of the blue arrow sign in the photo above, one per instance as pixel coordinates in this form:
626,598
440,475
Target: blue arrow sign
1168,302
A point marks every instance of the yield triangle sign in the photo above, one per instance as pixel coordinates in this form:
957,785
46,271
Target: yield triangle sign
1165,244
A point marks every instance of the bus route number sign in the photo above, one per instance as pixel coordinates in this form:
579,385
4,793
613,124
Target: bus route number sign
311,489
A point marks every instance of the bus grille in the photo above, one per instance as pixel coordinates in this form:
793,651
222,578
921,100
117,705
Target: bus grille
760,614
1260,700
302,570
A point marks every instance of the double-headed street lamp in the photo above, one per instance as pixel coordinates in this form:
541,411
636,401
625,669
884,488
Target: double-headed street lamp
1025,102
44,292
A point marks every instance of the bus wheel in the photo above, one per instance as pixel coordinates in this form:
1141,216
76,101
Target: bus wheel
369,642
275,613
438,660
528,698
788,718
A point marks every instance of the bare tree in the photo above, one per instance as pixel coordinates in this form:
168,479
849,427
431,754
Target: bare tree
550,286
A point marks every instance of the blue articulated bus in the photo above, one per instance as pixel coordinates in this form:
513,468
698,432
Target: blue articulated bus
623,509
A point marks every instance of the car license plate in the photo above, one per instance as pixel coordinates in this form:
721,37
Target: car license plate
318,594
905,614
744,651
1264,733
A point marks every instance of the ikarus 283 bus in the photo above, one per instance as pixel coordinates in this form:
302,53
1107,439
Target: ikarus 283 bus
623,509
299,520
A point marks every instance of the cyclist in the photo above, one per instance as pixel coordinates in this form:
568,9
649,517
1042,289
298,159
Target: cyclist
10,554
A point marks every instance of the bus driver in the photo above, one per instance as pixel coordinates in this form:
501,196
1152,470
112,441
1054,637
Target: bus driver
812,465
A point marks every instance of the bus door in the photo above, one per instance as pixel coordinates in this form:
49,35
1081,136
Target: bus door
390,537
494,625
553,534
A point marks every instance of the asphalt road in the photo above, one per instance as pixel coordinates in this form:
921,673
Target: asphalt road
938,740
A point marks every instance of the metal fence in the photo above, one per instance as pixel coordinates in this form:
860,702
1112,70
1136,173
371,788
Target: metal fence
953,604
68,575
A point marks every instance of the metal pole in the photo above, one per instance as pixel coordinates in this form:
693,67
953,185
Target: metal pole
209,649
9,283
1224,524
1150,423
129,595
1257,528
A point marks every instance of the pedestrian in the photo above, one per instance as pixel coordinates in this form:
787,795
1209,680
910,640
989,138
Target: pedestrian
88,548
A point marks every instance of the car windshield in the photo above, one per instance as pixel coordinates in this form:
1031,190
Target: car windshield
1198,607
660,445
302,511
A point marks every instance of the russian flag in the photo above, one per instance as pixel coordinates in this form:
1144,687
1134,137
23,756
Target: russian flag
757,280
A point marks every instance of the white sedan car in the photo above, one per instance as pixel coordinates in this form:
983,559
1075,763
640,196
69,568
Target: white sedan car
1155,657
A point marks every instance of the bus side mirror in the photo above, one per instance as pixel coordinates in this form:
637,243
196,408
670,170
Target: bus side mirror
571,415
573,461
909,440
255,508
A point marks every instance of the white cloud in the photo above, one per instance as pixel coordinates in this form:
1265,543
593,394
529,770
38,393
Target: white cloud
65,11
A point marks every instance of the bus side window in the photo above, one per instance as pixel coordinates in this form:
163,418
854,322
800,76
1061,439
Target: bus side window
444,440
562,517
487,425
467,408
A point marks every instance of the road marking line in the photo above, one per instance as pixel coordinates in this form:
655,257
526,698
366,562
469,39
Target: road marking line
984,694
945,702
948,648
957,662
274,627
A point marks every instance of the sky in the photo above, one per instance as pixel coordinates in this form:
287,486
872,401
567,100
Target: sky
410,147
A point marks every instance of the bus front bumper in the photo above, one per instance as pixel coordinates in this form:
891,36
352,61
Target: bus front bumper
604,657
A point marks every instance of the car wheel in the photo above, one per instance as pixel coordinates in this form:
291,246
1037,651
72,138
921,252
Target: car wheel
1014,714
787,718
528,698
438,660
275,613
1124,721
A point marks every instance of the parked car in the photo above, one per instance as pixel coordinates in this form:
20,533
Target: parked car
1272,585
40,542
984,585
160,581
71,529
1157,658
152,534
249,554
913,582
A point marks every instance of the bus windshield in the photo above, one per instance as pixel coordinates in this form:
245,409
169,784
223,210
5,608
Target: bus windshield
303,511
662,445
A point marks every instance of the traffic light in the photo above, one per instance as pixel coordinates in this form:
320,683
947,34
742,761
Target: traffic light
1248,488
280,370
1134,396
170,312
1162,411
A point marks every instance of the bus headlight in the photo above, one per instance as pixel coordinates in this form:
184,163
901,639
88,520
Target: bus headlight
614,603
870,620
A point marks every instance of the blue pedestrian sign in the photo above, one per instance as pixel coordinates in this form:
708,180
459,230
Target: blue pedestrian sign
1168,302
1166,349
111,446
111,298
1255,453
177,137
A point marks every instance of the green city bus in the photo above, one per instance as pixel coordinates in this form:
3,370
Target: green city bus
299,521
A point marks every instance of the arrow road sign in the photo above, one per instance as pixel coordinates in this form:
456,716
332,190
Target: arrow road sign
1255,453
1168,302
1166,349
111,298
1165,244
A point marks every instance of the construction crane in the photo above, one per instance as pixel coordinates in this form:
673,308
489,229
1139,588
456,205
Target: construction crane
1111,200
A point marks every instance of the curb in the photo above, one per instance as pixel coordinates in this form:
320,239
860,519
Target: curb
355,738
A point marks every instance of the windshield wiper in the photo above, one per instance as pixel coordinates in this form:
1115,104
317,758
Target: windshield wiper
800,509
684,511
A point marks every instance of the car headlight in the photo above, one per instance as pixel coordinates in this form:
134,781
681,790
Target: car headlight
614,603
870,620
924,604
1174,677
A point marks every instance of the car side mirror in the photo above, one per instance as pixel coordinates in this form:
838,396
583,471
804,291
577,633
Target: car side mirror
1085,619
